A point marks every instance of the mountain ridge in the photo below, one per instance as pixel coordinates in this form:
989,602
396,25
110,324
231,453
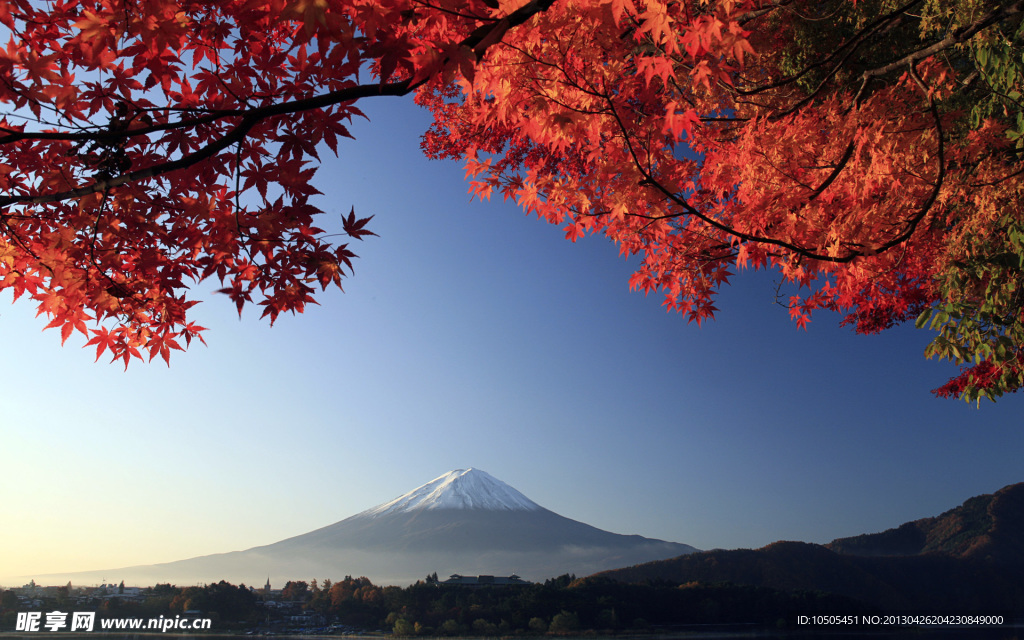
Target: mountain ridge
989,525
969,558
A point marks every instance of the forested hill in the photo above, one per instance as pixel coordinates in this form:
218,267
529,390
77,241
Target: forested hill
969,559
987,526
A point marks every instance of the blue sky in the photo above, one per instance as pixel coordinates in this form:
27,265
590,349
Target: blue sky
472,335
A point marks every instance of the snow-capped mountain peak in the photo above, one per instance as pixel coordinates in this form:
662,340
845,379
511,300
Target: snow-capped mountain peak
459,489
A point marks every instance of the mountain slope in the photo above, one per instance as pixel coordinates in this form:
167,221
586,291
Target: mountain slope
465,521
967,559
987,526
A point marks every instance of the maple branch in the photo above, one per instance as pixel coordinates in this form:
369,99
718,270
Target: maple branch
757,13
21,243
957,36
853,42
688,209
835,173
998,180
243,235
479,41
452,12
116,289
235,135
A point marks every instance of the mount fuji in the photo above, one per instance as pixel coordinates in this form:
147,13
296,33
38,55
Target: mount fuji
465,521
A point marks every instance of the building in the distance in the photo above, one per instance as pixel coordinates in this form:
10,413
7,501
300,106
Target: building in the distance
484,581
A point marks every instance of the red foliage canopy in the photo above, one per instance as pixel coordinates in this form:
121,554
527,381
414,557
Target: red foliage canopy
869,151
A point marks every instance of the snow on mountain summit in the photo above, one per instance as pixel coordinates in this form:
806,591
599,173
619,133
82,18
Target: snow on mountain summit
459,489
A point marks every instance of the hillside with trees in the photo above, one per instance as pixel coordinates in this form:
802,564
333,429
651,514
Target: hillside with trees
988,526
968,559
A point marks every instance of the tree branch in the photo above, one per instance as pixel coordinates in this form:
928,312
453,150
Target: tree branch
688,209
479,40
956,37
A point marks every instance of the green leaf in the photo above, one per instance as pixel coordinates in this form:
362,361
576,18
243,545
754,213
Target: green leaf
922,320
982,55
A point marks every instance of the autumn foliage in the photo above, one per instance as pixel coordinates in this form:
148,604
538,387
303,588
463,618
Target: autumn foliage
868,151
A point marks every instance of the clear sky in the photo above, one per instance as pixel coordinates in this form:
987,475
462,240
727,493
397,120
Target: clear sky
472,335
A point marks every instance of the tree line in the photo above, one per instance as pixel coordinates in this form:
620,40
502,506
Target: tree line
560,605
